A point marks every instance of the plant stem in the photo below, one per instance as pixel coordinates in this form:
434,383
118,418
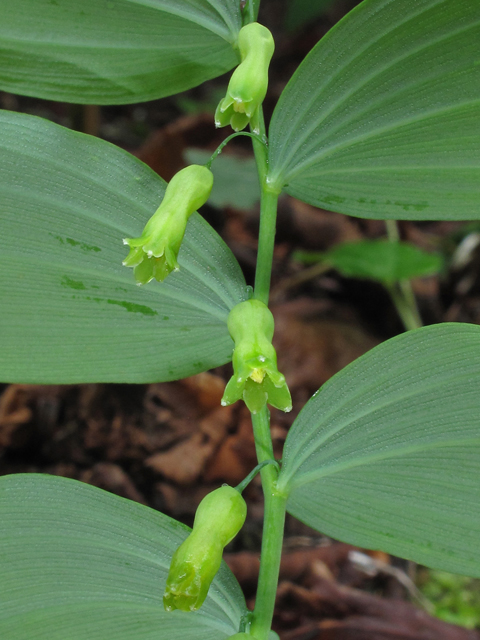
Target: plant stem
266,242
246,481
268,218
221,146
260,149
407,311
273,525
275,502
393,232
402,291
251,10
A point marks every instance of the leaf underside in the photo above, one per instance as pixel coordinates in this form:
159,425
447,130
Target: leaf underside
114,51
70,311
79,563
382,119
386,455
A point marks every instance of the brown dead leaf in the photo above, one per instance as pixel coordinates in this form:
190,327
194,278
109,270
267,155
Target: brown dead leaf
235,458
112,478
343,613
13,413
163,150
180,502
207,390
296,566
185,462
311,349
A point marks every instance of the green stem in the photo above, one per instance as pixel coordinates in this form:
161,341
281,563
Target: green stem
251,11
246,481
260,147
407,311
273,525
393,232
268,218
266,242
275,502
221,146
402,291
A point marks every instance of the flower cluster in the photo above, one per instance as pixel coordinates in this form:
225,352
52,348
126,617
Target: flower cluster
154,254
255,374
248,85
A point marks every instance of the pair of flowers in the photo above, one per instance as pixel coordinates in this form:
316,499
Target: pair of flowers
154,254
250,323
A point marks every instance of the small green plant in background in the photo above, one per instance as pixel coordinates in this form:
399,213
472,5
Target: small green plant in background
455,599
392,264
381,120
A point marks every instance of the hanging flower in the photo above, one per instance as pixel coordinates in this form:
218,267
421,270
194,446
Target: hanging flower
218,519
255,374
154,254
248,85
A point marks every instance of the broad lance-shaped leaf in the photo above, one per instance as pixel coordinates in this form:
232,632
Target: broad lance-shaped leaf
382,119
387,454
70,312
115,51
80,563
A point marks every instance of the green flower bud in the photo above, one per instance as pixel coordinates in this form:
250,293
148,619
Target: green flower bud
218,519
154,254
255,373
248,85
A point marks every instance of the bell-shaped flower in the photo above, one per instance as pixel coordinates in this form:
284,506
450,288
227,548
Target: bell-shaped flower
248,85
255,374
154,254
219,517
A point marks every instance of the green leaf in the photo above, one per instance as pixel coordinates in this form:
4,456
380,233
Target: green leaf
382,260
80,563
70,311
386,455
382,119
300,12
114,51
236,179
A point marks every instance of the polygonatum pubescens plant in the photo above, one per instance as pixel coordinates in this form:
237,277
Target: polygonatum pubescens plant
380,121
